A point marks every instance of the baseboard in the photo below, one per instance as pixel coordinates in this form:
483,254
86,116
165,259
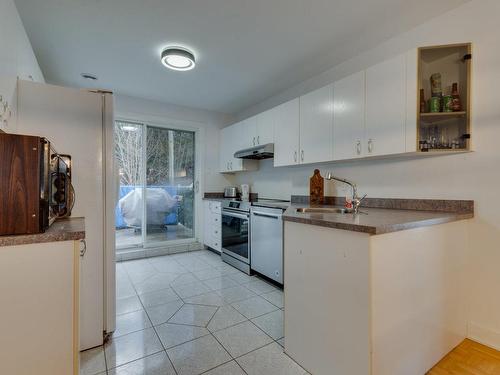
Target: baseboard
483,335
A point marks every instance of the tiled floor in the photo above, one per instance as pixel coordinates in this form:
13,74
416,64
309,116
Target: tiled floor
129,236
189,314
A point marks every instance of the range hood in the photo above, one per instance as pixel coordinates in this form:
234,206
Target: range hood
256,153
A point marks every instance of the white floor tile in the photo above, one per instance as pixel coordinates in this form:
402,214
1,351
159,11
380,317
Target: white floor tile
276,298
195,315
208,299
259,286
271,323
176,334
127,305
219,283
225,317
130,347
269,360
230,368
254,307
131,322
191,290
235,294
156,282
162,313
92,361
156,364
197,356
159,297
242,338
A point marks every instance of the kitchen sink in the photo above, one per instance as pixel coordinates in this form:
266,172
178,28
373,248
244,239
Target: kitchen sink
322,210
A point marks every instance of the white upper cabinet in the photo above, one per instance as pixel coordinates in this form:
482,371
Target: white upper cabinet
349,117
231,140
386,107
265,127
316,120
249,132
259,129
286,134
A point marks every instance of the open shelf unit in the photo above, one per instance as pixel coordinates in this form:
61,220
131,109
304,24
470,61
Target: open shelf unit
444,131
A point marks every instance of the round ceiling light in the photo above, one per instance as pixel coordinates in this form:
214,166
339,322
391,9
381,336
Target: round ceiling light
177,58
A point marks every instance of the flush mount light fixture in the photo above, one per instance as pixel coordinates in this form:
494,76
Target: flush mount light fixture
177,58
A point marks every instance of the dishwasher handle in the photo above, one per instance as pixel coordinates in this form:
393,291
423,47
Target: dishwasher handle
266,215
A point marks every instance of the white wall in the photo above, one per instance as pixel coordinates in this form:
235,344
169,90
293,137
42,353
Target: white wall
16,59
211,122
466,176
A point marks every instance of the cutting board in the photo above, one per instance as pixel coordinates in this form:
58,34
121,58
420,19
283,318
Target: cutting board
316,188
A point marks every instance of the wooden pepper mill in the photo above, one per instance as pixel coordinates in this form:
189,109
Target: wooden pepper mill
316,188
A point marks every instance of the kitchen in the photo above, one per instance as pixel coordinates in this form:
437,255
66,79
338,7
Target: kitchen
384,262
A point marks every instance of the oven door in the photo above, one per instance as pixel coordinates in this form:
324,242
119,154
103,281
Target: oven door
235,235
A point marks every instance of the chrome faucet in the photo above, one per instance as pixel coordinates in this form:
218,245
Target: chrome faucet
356,201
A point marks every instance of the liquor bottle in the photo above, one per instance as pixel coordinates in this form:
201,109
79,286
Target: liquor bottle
422,101
456,106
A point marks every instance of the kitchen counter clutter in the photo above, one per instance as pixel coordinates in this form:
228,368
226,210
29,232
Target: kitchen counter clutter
71,229
378,216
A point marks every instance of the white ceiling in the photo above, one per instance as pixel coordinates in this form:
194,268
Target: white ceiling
247,50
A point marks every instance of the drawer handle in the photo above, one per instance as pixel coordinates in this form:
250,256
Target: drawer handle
358,147
302,155
295,156
370,145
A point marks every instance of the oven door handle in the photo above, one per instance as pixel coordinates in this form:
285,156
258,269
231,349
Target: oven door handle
234,214
266,215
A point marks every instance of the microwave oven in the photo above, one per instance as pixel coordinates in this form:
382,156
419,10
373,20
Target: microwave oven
35,184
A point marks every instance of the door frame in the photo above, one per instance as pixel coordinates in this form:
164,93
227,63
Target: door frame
199,136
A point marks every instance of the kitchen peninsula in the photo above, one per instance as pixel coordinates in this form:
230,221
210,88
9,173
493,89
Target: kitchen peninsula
380,292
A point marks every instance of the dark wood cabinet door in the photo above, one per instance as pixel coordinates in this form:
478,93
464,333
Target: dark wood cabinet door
19,184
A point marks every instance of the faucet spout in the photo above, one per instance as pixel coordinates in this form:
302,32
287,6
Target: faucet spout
355,199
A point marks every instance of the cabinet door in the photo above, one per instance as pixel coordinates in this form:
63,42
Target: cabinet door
316,125
349,117
286,134
265,127
248,137
225,141
386,107
237,142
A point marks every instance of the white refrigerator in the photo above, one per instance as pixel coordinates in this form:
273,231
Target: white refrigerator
80,123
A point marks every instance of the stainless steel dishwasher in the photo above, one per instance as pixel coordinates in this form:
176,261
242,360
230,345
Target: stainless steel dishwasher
266,239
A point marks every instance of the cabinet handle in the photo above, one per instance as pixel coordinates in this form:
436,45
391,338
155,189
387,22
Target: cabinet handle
83,249
258,139
358,147
231,165
370,145
295,156
302,155
254,141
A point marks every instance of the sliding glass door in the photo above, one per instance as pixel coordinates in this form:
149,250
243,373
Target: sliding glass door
156,193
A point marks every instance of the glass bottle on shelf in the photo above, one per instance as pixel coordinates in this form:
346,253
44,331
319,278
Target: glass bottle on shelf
456,106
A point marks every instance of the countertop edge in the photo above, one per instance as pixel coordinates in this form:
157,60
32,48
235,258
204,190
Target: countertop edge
72,229
383,229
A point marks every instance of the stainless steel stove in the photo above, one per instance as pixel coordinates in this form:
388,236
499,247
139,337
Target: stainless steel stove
236,234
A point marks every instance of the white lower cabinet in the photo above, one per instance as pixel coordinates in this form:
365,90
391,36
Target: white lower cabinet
212,225
373,305
39,284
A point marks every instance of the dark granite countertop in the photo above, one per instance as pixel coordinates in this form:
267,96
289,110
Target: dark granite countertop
71,229
374,220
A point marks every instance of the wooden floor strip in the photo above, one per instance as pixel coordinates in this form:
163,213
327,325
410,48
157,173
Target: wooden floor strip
469,358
